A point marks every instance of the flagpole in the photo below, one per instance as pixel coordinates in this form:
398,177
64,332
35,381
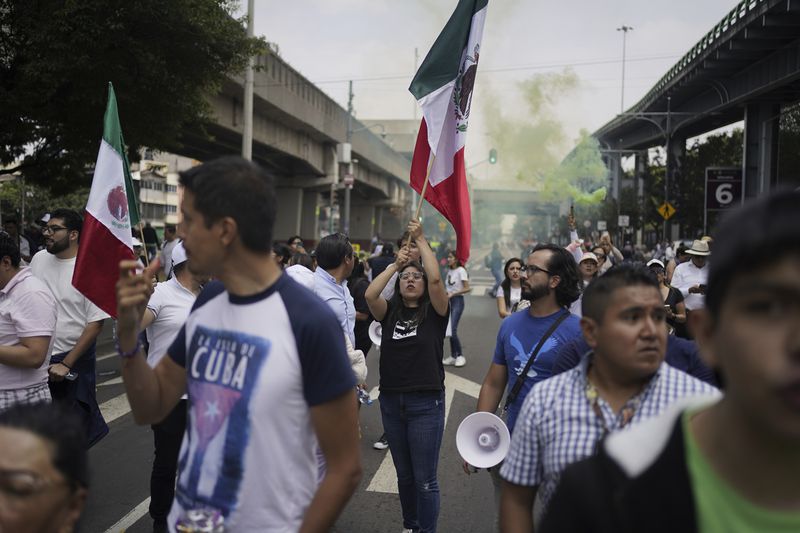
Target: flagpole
146,258
422,195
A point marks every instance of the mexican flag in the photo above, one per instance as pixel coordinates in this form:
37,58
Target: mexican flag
110,213
443,88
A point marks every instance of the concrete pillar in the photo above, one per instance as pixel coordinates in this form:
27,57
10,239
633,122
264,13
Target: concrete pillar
760,161
639,174
392,227
361,219
614,174
290,208
379,221
309,218
676,151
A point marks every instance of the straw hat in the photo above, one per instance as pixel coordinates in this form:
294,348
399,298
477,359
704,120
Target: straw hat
699,248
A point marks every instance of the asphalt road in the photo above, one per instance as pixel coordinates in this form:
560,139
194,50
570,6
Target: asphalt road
121,462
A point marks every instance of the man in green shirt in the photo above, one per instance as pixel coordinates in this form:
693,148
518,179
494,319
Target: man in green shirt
714,466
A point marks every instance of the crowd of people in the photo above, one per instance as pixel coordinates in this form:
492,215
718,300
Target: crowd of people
661,394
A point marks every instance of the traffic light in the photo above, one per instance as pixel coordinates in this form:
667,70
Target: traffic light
492,156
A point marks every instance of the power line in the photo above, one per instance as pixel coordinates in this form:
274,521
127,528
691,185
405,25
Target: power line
510,69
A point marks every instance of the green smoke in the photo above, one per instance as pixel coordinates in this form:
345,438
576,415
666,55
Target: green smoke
532,143
580,176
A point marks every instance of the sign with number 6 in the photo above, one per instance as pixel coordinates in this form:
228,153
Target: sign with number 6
723,191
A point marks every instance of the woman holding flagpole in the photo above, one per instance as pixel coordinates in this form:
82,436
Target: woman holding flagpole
413,324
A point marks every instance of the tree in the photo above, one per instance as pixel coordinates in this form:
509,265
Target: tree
57,57
687,190
38,200
789,146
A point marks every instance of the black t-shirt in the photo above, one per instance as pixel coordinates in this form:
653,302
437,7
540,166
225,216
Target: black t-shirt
411,353
674,297
361,329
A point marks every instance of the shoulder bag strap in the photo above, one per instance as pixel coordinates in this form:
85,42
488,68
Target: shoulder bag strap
521,377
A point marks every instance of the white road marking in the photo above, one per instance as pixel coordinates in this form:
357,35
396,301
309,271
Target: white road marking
115,407
131,518
106,356
114,381
385,479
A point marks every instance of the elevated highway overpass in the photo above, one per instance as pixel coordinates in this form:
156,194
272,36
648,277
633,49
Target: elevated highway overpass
746,68
296,128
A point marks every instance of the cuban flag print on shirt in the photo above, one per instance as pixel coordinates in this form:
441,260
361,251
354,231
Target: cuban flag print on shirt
222,372
255,366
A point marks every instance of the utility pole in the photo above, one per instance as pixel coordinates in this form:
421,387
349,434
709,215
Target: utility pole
247,133
667,167
348,186
624,29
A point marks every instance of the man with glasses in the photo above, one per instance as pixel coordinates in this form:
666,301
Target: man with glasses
72,358
623,381
551,281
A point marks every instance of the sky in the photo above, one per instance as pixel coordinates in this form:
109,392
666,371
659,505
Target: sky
525,44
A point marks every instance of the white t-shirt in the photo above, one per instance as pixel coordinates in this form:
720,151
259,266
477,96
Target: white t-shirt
170,303
255,366
166,256
27,309
456,279
388,290
74,309
686,276
516,295
302,275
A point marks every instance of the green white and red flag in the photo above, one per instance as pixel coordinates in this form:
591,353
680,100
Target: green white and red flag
111,211
443,89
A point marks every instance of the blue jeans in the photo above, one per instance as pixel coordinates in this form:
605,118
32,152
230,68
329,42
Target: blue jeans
414,424
456,309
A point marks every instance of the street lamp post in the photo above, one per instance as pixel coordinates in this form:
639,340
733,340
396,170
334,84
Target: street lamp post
348,187
247,132
624,29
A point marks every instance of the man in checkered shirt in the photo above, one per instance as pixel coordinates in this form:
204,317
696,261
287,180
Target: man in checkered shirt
622,381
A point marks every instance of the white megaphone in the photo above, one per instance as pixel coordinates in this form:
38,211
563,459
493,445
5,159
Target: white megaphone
375,333
483,440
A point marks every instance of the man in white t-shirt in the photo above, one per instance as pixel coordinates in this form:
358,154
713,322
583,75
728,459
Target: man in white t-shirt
27,324
79,323
263,363
691,276
167,311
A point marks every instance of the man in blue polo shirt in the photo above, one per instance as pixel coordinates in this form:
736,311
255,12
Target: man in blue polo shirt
262,361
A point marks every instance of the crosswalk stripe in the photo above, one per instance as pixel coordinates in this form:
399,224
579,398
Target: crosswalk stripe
115,407
385,479
105,356
114,381
131,518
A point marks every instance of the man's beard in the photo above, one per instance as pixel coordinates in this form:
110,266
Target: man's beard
535,293
58,246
